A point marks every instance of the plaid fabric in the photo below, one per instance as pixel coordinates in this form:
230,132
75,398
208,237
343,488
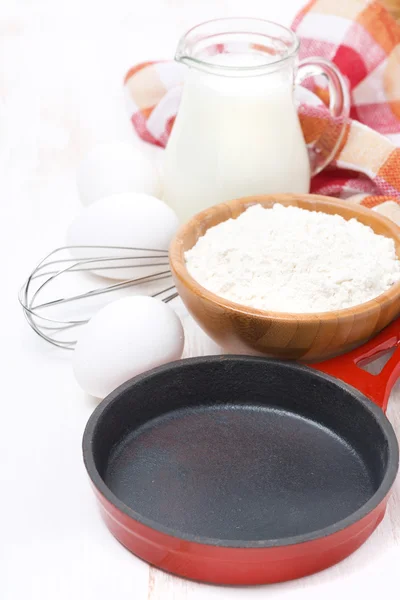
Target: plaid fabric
363,40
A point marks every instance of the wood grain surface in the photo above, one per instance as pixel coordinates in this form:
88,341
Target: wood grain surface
308,337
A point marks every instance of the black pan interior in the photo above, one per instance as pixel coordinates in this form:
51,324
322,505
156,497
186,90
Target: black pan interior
240,449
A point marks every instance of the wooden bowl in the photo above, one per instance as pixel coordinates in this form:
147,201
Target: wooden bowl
310,337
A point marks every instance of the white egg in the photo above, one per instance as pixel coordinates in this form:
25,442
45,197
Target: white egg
116,167
130,220
125,338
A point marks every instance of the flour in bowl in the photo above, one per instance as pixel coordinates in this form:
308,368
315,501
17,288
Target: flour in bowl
288,259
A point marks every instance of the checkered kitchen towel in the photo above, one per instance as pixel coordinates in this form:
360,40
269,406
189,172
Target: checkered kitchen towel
363,40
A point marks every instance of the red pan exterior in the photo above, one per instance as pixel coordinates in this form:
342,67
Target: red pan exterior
237,566
221,564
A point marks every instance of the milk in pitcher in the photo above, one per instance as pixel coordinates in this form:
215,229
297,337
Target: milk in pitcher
237,132
234,137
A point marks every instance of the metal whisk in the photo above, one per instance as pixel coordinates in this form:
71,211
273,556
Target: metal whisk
53,313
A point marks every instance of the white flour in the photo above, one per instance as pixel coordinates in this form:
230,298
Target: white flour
288,259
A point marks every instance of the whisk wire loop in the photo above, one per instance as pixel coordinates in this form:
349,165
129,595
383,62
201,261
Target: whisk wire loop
97,260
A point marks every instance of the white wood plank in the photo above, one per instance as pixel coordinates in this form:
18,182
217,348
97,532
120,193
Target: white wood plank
61,67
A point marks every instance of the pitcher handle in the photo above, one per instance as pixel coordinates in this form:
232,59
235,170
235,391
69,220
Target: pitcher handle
339,97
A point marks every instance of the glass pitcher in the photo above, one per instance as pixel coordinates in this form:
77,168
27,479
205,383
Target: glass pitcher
237,131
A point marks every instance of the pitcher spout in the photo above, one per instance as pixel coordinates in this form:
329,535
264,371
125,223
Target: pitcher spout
182,54
237,47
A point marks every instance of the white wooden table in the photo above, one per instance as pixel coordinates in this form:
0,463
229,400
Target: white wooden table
61,67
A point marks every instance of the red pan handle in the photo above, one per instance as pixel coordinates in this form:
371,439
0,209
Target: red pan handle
376,387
